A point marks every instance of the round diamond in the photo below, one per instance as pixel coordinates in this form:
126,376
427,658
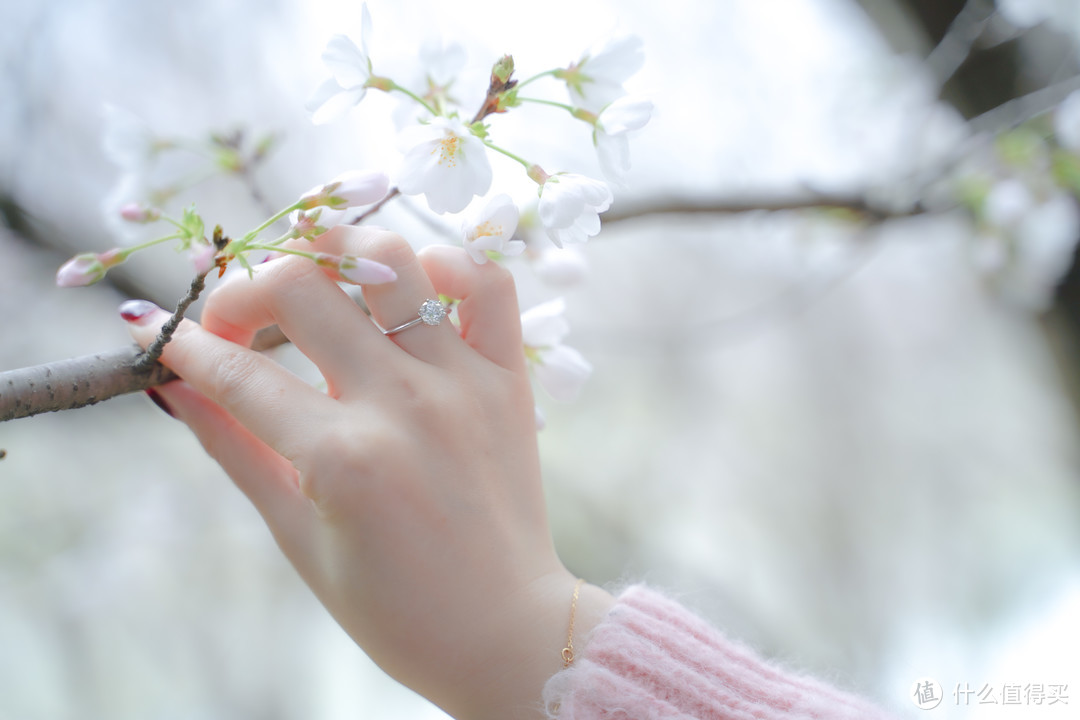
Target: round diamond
432,312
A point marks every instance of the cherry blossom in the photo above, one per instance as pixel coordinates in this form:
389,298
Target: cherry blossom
561,370
610,135
596,80
490,228
570,207
446,163
350,70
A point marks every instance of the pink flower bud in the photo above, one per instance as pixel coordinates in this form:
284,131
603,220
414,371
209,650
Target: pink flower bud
87,268
84,269
350,189
361,271
358,271
136,213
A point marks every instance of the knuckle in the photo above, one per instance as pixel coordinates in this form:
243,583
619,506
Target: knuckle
270,281
391,249
285,273
235,373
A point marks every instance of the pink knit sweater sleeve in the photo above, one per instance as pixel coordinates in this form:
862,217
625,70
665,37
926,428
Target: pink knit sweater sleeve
651,658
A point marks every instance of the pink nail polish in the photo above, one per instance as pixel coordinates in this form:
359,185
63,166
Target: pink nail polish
137,311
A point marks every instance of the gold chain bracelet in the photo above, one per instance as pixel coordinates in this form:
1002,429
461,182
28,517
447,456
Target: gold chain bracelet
568,651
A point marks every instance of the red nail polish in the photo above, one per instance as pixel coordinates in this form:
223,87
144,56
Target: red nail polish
159,401
135,311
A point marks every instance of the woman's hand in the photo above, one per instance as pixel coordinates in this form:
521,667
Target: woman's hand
408,495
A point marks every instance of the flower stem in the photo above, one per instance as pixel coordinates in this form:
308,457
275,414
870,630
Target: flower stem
508,154
535,77
277,248
579,113
150,243
568,108
414,96
248,237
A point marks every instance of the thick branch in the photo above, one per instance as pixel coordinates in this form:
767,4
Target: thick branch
75,383
82,381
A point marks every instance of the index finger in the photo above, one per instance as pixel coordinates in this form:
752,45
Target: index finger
261,394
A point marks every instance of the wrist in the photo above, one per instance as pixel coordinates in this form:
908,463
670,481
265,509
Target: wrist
527,639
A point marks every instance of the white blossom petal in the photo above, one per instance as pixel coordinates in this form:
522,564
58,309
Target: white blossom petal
617,59
562,372
544,325
365,31
336,105
570,205
625,114
614,154
346,62
602,72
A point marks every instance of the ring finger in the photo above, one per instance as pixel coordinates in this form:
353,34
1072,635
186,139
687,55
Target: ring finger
397,303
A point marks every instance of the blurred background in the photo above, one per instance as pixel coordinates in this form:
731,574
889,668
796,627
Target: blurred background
833,321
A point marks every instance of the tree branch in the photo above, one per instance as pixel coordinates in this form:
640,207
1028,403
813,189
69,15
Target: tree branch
966,28
1019,110
78,382
678,206
82,381
75,383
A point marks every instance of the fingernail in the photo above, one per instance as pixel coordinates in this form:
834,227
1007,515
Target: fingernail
137,311
160,401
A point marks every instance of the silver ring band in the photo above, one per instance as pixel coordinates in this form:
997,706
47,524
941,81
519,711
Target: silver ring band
431,312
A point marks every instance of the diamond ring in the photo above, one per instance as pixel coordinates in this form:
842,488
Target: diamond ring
431,312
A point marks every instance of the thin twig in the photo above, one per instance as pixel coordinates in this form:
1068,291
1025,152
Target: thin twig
1019,110
955,47
394,192
148,359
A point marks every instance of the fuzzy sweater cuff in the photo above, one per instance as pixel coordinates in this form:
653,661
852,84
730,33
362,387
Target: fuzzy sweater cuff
650,658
